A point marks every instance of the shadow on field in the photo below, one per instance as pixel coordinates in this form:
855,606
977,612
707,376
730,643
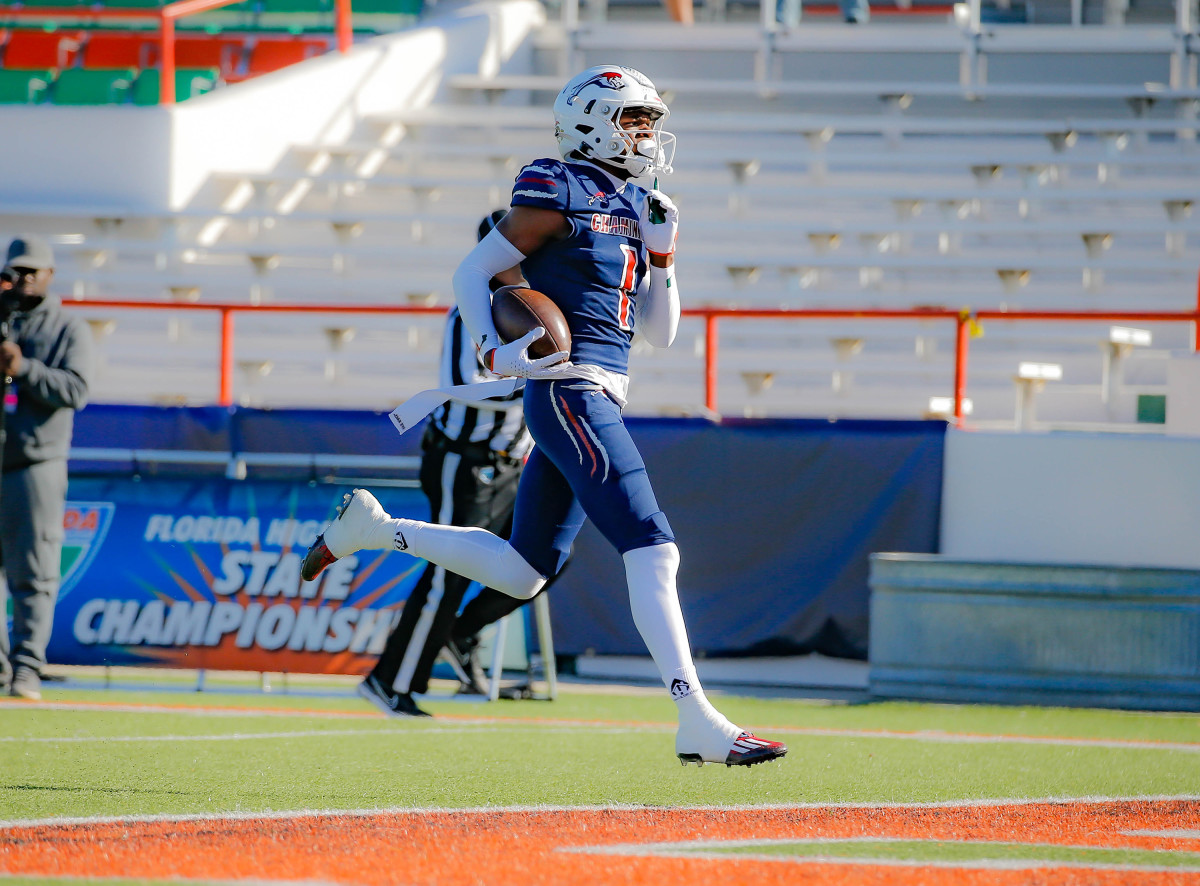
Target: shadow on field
82,789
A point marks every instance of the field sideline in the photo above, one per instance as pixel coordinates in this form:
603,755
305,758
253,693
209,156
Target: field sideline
145,785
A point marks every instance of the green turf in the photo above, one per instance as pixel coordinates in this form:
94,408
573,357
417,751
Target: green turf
98,762
959,852
897,716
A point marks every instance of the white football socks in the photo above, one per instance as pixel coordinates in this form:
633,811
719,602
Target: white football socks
654,601
466,550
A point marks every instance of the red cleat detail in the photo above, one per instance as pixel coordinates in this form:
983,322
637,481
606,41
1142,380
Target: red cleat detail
750,749
318,557
746,751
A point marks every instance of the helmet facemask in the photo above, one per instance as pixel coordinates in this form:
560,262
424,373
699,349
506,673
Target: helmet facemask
588,114
641,151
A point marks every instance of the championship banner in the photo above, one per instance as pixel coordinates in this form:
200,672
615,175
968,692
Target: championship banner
206,574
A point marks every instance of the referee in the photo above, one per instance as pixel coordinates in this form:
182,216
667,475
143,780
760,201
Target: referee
472,458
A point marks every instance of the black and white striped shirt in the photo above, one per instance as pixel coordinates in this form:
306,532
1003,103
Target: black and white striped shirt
502,428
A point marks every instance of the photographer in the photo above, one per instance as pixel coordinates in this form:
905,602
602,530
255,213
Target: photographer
46,361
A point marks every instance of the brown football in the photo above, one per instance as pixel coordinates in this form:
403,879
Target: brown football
518,309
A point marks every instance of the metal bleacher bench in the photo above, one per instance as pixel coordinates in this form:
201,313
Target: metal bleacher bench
498,117
1139,96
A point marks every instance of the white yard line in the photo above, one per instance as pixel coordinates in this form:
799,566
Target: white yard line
1170,834
609,807
969,738
310,733
712,849
167,881
101,707
926,735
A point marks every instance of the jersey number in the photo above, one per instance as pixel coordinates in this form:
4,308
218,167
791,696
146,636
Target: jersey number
628,288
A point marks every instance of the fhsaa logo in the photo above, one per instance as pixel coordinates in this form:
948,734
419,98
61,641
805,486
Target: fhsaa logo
85,525
680,688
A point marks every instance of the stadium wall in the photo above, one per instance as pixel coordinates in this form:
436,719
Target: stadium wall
179,564
160,158
776,520
1097,499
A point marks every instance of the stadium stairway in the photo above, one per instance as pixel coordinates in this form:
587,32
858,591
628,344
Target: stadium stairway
1069,186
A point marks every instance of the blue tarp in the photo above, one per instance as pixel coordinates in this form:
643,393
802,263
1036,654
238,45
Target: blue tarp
775,519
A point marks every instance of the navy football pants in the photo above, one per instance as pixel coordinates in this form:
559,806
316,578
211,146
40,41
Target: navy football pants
585,464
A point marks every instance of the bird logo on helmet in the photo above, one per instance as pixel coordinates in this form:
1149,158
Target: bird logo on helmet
607,79
587,120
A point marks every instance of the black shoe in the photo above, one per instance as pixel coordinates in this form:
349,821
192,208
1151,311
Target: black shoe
394,704
466,665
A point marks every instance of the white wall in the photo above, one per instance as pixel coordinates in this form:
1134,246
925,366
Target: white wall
114,158
155,159
1183,394
249,128
1104,499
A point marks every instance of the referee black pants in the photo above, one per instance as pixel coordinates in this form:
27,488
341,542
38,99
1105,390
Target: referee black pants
472,488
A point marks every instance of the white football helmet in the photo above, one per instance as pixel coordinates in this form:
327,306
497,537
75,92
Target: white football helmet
587,120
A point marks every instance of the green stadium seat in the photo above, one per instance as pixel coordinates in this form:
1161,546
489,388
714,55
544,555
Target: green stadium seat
25,87
240,16
42,4
189,82
79,86
134,4
31,50
387,7
294,7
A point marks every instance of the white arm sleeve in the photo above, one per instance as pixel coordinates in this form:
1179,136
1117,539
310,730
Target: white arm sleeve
490,256
658,308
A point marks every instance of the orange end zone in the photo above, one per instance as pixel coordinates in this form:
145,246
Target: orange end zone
525,848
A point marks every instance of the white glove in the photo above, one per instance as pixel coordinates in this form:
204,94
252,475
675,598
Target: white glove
513,359
659,222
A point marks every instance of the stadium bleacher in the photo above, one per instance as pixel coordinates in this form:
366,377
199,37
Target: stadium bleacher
1072,191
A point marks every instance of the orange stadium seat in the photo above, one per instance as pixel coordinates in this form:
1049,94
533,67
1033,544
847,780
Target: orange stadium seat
271,55
222,53
120,51
39,50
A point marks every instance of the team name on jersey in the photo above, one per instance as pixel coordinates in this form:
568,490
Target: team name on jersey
602,223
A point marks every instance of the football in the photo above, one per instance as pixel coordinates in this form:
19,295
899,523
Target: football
518,309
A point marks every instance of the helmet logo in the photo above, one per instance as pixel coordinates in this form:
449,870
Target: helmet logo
607,80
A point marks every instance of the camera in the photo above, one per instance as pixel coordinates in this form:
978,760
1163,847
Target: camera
9,299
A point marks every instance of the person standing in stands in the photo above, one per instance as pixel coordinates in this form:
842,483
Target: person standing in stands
472,458
46,357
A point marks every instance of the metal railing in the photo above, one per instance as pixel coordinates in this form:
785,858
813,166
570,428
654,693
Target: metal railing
964,321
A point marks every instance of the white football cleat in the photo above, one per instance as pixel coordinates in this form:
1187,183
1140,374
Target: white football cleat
704,736
747,749
359,517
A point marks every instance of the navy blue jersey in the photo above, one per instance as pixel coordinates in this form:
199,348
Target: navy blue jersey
593,274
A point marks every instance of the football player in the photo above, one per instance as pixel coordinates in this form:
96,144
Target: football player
601,246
